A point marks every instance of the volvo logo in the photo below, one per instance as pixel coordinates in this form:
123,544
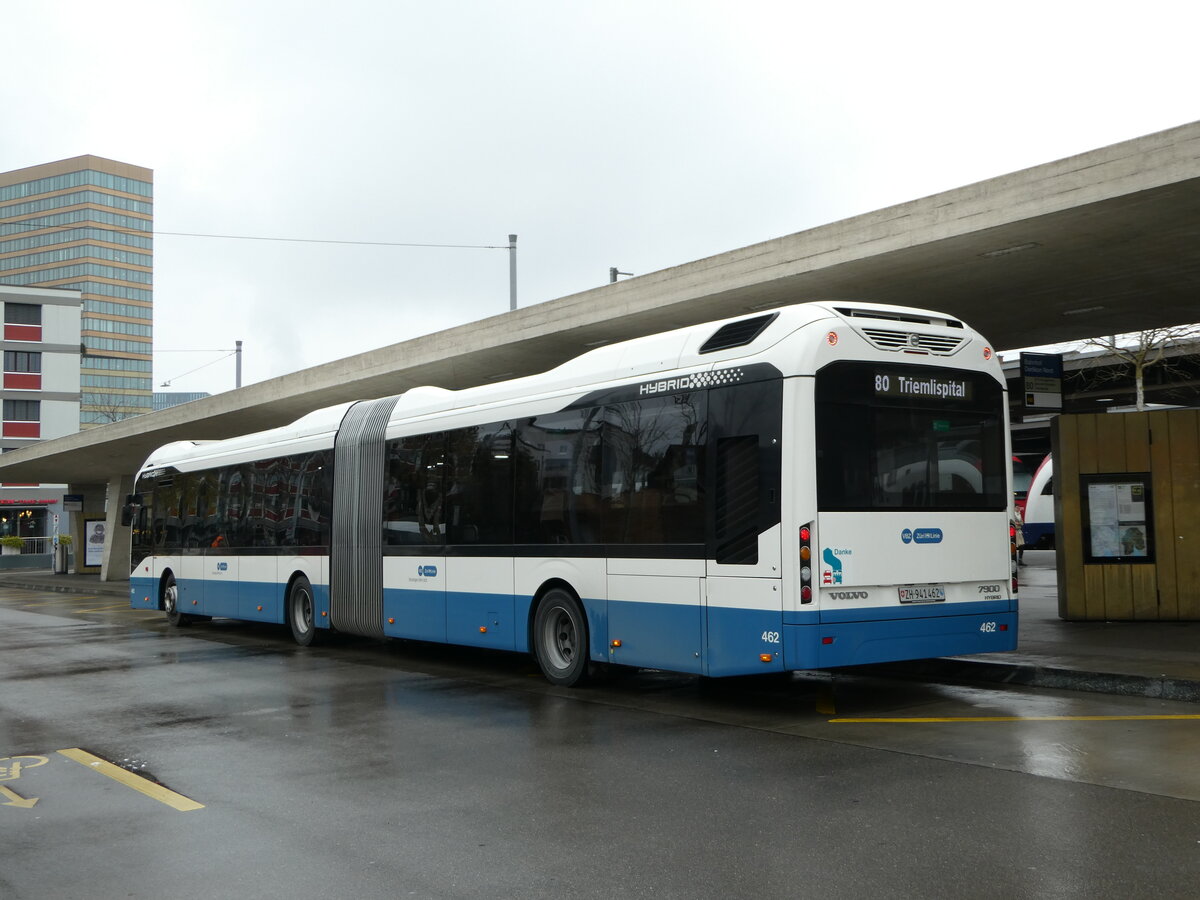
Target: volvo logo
849,595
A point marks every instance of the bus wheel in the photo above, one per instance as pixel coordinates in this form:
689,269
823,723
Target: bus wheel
560,638
170,603
300,612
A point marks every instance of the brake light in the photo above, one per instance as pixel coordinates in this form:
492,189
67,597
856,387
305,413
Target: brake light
1012,553
805,568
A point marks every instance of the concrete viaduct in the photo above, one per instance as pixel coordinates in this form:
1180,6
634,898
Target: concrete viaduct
1100,243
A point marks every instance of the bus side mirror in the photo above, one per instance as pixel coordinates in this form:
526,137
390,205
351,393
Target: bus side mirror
133,503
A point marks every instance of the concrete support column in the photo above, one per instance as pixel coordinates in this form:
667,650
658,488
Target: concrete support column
93,508
116,535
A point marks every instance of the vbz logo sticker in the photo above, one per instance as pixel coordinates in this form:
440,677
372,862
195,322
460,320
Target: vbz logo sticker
427,571
223,567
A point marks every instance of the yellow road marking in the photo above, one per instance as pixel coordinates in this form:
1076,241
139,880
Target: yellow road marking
130,780
1020,719
13,770
15,799
108,607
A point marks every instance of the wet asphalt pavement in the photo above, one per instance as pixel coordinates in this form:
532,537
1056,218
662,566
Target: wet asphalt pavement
370,770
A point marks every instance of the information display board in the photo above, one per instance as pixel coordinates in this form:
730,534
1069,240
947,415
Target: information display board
1118,518
1042,375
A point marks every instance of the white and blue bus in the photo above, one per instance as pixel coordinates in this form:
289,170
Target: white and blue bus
821,485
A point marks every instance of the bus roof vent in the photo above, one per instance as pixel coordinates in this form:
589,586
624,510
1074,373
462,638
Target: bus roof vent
738,334
851,312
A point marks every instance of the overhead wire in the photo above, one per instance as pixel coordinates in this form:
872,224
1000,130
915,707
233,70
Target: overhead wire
168,381
251,237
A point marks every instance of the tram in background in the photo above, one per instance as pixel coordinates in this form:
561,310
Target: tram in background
822,485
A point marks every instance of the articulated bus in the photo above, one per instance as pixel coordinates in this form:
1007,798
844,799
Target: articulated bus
818,486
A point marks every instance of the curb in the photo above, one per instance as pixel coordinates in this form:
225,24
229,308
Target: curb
1028,675
64,588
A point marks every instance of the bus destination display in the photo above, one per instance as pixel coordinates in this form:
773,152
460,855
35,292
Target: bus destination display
903,385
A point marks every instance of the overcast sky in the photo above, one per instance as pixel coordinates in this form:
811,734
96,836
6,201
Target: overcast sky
633,134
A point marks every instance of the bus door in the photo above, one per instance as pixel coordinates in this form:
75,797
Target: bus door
652,495
414,538
211,565
478,513
744,590
222,565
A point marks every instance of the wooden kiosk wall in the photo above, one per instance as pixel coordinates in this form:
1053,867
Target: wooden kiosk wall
1167,445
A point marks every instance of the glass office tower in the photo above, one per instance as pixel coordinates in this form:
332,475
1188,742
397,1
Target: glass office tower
86,223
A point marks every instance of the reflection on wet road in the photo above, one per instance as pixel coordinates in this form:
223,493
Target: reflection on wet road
1133,743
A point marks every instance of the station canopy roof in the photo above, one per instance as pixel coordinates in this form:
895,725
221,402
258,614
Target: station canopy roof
1101,243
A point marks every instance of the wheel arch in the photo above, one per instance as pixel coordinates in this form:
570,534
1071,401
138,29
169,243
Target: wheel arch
546,587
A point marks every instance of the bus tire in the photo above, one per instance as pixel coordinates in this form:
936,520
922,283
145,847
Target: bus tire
300,612
560,638
170,603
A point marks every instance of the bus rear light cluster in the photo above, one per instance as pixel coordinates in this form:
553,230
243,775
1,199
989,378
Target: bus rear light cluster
1013,558
805,564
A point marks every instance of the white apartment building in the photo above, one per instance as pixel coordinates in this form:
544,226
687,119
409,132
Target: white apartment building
40,399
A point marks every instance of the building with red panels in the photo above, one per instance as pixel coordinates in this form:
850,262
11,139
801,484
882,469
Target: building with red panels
40,399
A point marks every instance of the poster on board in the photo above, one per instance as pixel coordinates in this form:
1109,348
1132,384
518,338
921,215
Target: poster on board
1117,519
93,542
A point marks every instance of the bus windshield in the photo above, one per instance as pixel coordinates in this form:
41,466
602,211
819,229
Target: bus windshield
895,437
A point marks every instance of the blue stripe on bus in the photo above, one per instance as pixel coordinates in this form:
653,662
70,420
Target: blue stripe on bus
888,640
660,635
914,611
235,600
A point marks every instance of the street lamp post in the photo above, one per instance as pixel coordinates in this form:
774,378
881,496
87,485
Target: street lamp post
512,272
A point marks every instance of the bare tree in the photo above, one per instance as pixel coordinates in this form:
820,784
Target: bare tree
114,407
1141,350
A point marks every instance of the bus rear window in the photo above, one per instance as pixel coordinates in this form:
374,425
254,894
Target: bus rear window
939,446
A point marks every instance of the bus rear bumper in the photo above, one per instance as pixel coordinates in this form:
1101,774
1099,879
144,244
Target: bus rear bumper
825,646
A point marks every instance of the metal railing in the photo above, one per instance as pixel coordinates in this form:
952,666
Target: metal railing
34,545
